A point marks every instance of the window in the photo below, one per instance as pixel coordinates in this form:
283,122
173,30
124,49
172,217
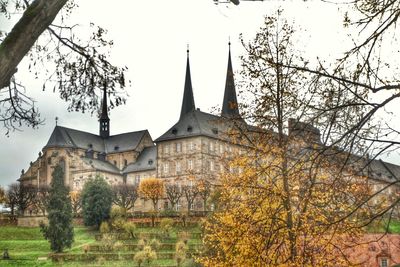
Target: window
178,147
211,146
115,162
125,162
221,148
137,179
166,167
190,164
212,166
178,167
191,146
384,262
166,149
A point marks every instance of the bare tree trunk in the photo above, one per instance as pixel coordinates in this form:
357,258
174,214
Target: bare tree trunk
36,18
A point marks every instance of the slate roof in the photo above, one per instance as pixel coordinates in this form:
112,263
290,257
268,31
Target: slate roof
66,137
147,160
101,165
196,123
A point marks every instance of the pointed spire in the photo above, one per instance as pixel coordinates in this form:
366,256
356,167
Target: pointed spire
230,105
104,120
188,99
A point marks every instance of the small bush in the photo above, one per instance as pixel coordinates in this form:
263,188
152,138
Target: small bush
117,212
184,236
180,252
155,244
141,244
118,224
107,242
166,225
104,228
130,229
140,257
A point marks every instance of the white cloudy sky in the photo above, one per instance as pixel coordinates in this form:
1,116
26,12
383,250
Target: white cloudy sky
150,39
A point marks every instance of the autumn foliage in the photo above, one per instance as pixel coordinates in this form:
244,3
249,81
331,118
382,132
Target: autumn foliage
153,189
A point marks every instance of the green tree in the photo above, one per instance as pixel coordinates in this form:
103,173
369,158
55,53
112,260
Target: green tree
60,231
96,201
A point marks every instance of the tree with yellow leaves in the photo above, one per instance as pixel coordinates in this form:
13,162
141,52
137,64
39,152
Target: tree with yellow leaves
294,199
153,189
76,202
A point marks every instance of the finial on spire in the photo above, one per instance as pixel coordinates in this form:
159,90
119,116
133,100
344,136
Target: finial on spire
56,121
187,49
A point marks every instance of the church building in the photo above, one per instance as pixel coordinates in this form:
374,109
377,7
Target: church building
191,149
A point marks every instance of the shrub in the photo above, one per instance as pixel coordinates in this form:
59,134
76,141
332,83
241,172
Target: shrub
118,224
107,242
104,228
117,212
147,254
130,228
180,252
155,244
141,244
139,257
96,201
184,236
166,226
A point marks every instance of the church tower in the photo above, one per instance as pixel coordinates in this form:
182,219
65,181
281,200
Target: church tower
188,99
230,107
104,120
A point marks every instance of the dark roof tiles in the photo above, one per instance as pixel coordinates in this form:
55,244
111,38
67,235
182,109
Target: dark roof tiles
147,160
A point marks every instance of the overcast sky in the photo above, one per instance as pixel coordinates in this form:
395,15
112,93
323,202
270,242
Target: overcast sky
150,39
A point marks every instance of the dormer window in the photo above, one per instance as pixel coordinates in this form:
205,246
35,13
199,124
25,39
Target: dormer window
174,131
150,162
215,130
90,145
116,148
189,129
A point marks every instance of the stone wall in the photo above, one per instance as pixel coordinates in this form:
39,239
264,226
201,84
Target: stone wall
31,221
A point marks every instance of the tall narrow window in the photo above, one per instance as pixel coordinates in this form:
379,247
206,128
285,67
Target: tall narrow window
211,165
137,179
190,164
166,149
178,147
166,167
211,147
178,167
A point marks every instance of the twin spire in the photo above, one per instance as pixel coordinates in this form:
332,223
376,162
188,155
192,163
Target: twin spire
229,106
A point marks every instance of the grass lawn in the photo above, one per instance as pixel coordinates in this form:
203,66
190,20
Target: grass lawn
26,246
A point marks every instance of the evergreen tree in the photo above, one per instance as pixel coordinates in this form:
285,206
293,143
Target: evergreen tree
60,231
96,201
